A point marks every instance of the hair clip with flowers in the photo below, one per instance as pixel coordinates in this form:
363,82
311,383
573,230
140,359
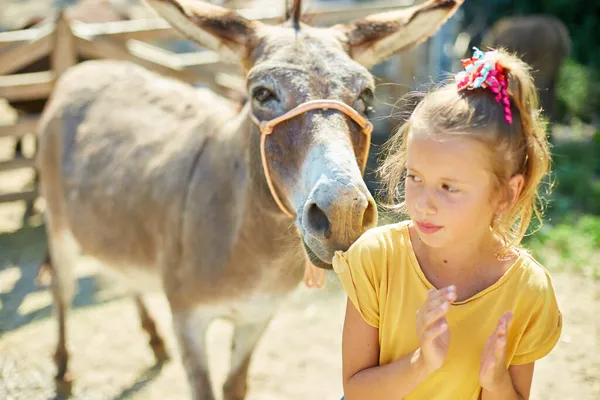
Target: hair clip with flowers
484,71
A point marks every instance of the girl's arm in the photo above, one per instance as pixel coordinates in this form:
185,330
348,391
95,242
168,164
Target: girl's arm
517,384
363,377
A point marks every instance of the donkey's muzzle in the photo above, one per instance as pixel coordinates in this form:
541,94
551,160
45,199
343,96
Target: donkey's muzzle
336,216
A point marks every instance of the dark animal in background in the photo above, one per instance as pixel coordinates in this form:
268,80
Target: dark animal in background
543,42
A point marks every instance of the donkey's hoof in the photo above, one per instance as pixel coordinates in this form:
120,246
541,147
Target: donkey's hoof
64,386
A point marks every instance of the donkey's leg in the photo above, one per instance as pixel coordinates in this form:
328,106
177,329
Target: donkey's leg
246,335
30,203
190,328
156,341
61,262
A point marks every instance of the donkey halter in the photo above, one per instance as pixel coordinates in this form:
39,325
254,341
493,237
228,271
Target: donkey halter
266,128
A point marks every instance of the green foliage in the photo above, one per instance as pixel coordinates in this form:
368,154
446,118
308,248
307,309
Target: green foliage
570,237
572,245
576,176
578,91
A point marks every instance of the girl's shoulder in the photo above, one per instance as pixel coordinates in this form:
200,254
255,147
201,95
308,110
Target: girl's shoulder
538,318
375,248
384,237
364,268
532,276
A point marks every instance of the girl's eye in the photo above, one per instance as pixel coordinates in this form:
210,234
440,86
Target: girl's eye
449,188
413,178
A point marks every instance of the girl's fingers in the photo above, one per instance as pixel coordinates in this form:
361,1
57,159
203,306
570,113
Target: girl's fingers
500,328
437,297
433,294
503,323
435,314
430,334
508,316
500,348
435,307
499,337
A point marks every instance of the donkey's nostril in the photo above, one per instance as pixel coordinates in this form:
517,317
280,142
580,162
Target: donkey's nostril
318,222
369,219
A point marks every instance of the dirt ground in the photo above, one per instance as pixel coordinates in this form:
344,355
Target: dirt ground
299,357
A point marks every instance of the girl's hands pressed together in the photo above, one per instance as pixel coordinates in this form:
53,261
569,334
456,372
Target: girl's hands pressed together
493,370
432,327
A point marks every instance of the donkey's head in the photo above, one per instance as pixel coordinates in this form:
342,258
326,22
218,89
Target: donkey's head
313,153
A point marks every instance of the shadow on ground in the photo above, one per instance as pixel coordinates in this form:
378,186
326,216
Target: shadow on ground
21,253
23,250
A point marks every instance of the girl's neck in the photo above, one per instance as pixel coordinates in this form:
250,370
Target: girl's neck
461,262
471,266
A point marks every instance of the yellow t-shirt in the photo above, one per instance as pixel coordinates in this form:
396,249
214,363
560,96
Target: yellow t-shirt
384,281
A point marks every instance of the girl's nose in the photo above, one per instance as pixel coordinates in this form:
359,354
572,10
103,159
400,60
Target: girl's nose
424,203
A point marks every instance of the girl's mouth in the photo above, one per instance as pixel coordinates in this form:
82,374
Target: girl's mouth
428,228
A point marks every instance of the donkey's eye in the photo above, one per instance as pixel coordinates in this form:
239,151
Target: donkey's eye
364,102
263,95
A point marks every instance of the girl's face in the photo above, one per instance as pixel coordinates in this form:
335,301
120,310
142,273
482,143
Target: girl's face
449,188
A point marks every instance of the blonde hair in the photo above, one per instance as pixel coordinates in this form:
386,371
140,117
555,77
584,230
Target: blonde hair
518,148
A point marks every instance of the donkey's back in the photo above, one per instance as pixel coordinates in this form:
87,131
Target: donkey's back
117,143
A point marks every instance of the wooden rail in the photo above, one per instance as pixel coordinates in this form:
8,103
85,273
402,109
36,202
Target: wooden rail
21,128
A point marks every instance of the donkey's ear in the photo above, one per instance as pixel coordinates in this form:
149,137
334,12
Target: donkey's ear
211,26
379,36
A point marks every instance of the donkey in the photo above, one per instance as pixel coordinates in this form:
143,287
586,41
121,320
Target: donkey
216,208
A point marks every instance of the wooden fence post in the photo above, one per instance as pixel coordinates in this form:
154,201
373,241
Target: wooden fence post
65,53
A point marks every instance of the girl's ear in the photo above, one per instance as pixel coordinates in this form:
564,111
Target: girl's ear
515,187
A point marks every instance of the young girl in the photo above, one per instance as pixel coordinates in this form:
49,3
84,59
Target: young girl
447,305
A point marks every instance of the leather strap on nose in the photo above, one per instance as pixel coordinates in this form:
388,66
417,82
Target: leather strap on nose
266,128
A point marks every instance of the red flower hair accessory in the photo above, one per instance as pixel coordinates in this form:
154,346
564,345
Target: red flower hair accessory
484,71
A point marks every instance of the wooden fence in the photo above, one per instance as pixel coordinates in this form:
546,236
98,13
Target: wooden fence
139,41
